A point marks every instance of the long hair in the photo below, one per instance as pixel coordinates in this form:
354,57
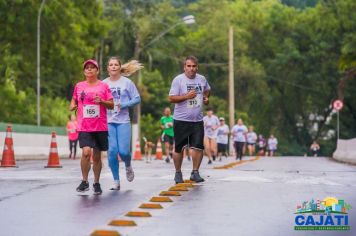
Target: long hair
128,68
131,67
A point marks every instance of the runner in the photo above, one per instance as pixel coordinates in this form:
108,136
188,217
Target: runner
251,141
272,145
222,138
239,132
189,91
315,149
211,123
261,145
167,134
125,96
72,136
91,98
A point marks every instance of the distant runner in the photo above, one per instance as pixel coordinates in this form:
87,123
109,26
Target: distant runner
251,141
211,124
222,138
239,132
168,133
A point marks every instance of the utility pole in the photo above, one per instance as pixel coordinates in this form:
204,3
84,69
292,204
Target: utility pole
231,83
39,63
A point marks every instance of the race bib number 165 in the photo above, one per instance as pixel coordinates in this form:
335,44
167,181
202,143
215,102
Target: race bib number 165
91,111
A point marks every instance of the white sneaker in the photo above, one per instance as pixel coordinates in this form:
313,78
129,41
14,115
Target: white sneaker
130,175
116,185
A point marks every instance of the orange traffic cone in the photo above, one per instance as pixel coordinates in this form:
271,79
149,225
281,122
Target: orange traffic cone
159,150
8,155
53,159
138,155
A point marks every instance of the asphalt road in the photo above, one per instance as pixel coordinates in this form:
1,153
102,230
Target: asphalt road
253,198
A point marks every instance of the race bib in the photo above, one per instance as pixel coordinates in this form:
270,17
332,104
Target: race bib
194,102
91,111
117,105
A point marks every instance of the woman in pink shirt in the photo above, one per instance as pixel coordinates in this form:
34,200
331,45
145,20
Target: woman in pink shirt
90,99
72,135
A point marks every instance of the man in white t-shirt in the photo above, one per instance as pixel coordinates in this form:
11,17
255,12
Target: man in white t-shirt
189,92
238,133
222,138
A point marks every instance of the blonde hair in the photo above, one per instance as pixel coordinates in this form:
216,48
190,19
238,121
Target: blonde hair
128,68
131,67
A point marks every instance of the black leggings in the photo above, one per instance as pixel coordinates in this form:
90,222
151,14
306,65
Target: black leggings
73,147
239,147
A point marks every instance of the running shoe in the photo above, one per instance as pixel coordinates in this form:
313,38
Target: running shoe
130,175
83,186
196,177
97,189
116,185
210,162
167,159
214,158
178,177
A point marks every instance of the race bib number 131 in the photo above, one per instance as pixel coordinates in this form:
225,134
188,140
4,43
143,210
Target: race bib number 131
91,111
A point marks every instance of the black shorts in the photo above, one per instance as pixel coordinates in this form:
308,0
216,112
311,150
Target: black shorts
97,140
184,131
167,139
251,144
222,147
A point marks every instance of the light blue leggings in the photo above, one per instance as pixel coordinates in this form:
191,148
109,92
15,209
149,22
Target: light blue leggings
119,143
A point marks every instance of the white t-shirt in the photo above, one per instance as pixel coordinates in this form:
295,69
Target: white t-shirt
191,109
210,126
272,144
123,90
238,132
223,134
251,137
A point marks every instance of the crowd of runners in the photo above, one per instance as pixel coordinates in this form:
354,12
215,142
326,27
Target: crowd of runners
103,123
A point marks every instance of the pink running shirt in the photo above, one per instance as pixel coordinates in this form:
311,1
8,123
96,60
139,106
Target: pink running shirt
90,115
72,130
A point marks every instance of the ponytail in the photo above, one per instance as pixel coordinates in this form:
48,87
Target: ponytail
131,67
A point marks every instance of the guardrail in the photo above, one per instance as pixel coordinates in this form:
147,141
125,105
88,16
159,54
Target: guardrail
33,129
346,151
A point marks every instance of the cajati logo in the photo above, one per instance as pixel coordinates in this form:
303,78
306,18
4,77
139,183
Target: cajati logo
328,214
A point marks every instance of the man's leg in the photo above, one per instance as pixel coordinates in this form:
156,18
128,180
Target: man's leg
197,156
207,148
166,148
213,147
85,162
178,160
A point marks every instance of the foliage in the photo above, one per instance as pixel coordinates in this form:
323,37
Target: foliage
290,59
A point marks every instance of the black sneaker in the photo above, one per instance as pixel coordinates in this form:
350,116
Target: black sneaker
210,162
97,189
214,158
178,177
83,186
196,177
167,159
